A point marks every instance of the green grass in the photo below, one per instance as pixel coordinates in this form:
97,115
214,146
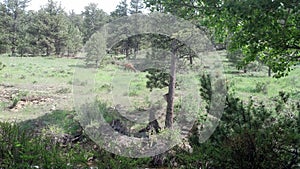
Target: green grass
245,87
45,77
112,82
36,70
258,84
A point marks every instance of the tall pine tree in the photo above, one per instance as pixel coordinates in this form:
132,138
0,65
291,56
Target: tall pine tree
94,18
121,10
12,23
136,6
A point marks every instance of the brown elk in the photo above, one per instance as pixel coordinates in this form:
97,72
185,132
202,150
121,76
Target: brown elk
129,66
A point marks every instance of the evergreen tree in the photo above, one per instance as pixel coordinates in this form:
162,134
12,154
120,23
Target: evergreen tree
94,18
76,20
4,46
57,26
74,40
23,47
121,10
95,48
134,42
136,6
49,30
12,12
39,33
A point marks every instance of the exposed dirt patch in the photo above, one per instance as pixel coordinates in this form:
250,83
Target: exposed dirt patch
21,99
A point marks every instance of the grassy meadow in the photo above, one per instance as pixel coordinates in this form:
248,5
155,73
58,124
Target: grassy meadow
39,93
46,84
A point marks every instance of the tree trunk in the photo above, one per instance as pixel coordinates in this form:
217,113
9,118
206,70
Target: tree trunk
13,51
170,98
127,49
269,71
48,51
127,52
158,160
245,69
136,45
136,48
191,59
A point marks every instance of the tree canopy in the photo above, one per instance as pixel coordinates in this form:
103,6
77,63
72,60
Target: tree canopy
265,30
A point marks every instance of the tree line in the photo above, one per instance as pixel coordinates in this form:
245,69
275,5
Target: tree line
51,30
265,31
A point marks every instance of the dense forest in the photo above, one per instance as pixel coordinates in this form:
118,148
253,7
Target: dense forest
47,57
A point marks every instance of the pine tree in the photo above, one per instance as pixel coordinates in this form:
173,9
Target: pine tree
74,40
76,20
94,18
12,12
136,6
121,10
49,30
4,46
95,48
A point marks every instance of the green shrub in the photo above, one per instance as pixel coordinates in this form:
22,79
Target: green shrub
15,101
20,149
64,91
252,135
261,87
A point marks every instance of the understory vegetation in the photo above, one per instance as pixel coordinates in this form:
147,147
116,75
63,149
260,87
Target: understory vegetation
251,134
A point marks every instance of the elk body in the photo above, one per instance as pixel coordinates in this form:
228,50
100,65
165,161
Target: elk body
129,66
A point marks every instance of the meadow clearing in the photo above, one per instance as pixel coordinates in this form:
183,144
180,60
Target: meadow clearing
38,94
40,85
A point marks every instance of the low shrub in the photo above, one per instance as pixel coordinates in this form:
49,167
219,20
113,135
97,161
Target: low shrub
261,87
